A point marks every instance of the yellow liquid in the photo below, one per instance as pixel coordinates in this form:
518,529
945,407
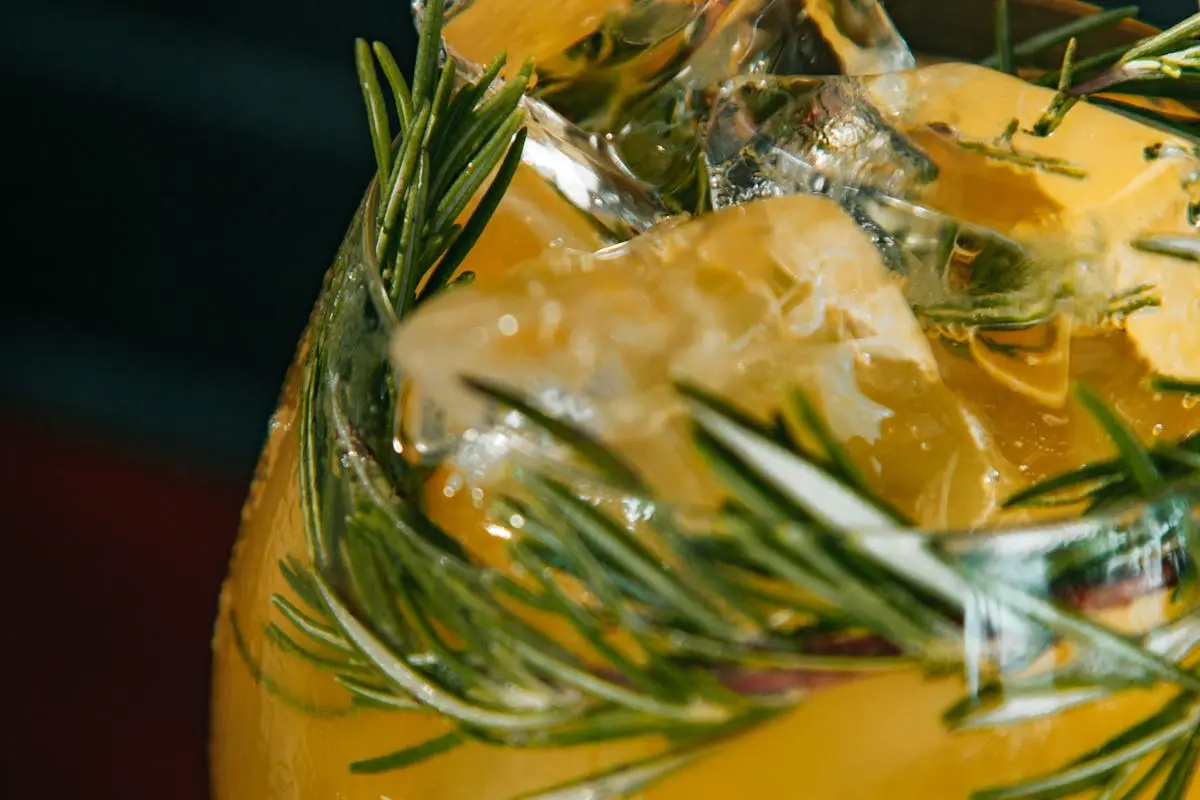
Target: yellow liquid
875,737
282,729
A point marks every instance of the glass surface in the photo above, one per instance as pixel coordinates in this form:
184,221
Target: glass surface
828,598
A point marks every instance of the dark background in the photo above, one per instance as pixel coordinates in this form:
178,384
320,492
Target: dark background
182,173
177,176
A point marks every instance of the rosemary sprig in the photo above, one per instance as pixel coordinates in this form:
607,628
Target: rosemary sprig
793,520
805,553
1138,471
450,142
1002,149
1063,101
1172,56
1168,54
1168,739
407,757
1176,385
1186,248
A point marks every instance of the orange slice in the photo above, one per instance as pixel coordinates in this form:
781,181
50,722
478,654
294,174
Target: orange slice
1035,362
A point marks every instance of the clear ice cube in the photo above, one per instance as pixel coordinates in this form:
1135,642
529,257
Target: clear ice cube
624,86
990,224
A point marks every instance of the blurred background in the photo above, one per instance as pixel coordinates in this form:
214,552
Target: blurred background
181,174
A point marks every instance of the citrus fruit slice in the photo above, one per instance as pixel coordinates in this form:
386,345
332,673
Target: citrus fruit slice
1034,361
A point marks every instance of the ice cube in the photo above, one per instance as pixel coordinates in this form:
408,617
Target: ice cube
624,86
783,135
751,302
990,223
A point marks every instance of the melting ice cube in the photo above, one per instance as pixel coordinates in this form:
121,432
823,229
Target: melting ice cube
991,224
751,302
624,86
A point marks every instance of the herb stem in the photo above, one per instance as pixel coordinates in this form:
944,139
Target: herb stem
377,114
1004,58
1054,36
400,92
